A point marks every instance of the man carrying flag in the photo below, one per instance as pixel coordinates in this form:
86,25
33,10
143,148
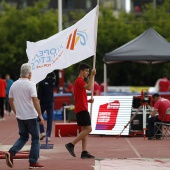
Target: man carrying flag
81,109
60,51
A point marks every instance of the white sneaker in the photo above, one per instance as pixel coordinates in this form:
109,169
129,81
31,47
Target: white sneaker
2,119
42,136
49,139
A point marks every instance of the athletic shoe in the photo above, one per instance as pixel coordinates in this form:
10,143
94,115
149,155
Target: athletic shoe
85,155
70,148
42,136
158,137
155,138
9,159
36,165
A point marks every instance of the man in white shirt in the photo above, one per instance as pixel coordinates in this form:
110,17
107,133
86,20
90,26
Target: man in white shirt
25,104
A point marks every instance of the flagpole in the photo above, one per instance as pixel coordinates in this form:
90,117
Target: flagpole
94,58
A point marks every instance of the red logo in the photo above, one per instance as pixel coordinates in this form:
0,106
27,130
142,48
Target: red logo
107,115
75,37
71,41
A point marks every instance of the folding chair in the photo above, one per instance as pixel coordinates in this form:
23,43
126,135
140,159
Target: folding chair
162,126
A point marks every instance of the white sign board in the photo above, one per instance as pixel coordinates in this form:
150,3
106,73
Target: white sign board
110,114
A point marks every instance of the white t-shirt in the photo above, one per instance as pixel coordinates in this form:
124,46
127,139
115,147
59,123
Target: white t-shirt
22,92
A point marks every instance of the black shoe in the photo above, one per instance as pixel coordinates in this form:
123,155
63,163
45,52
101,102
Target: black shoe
158,137
155,138
85,155
151,138
70,148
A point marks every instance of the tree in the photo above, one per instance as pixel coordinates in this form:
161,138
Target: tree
38,22
124,29
21,25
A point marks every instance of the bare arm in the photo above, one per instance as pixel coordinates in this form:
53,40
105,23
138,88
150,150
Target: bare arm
11,102
89,85
153,113
37,108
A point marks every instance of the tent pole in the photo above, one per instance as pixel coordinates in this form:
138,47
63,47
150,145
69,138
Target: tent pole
105,78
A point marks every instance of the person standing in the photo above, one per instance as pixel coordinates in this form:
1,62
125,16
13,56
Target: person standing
160,107
46,97
2,96
164,84
81,109
68,87
25,105
9,83
96,90
102,87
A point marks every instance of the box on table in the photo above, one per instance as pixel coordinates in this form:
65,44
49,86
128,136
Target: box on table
67,129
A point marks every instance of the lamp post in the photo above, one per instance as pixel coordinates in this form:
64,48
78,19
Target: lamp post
154,4
61,72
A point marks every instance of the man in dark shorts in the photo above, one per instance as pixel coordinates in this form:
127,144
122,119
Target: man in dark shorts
81,109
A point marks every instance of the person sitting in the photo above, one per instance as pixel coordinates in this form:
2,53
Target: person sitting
160,107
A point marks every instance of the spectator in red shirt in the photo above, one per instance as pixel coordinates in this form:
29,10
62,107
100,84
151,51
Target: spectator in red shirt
2,96
102,87
96,90
81,109
160,107
68,88
164,84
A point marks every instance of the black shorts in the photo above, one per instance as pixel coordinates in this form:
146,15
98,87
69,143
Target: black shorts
83,118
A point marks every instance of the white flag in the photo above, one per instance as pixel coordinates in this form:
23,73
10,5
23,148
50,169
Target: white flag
63,49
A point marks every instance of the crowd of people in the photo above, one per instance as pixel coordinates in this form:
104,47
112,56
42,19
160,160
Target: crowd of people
97,89
5,85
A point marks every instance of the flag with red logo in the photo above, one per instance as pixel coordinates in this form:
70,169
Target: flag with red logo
65,48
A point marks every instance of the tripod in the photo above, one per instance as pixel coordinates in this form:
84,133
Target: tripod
143,106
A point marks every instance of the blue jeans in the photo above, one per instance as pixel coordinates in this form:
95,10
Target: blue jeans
26,127
49,109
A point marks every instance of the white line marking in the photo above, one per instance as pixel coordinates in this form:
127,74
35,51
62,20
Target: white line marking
133,148
9,137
